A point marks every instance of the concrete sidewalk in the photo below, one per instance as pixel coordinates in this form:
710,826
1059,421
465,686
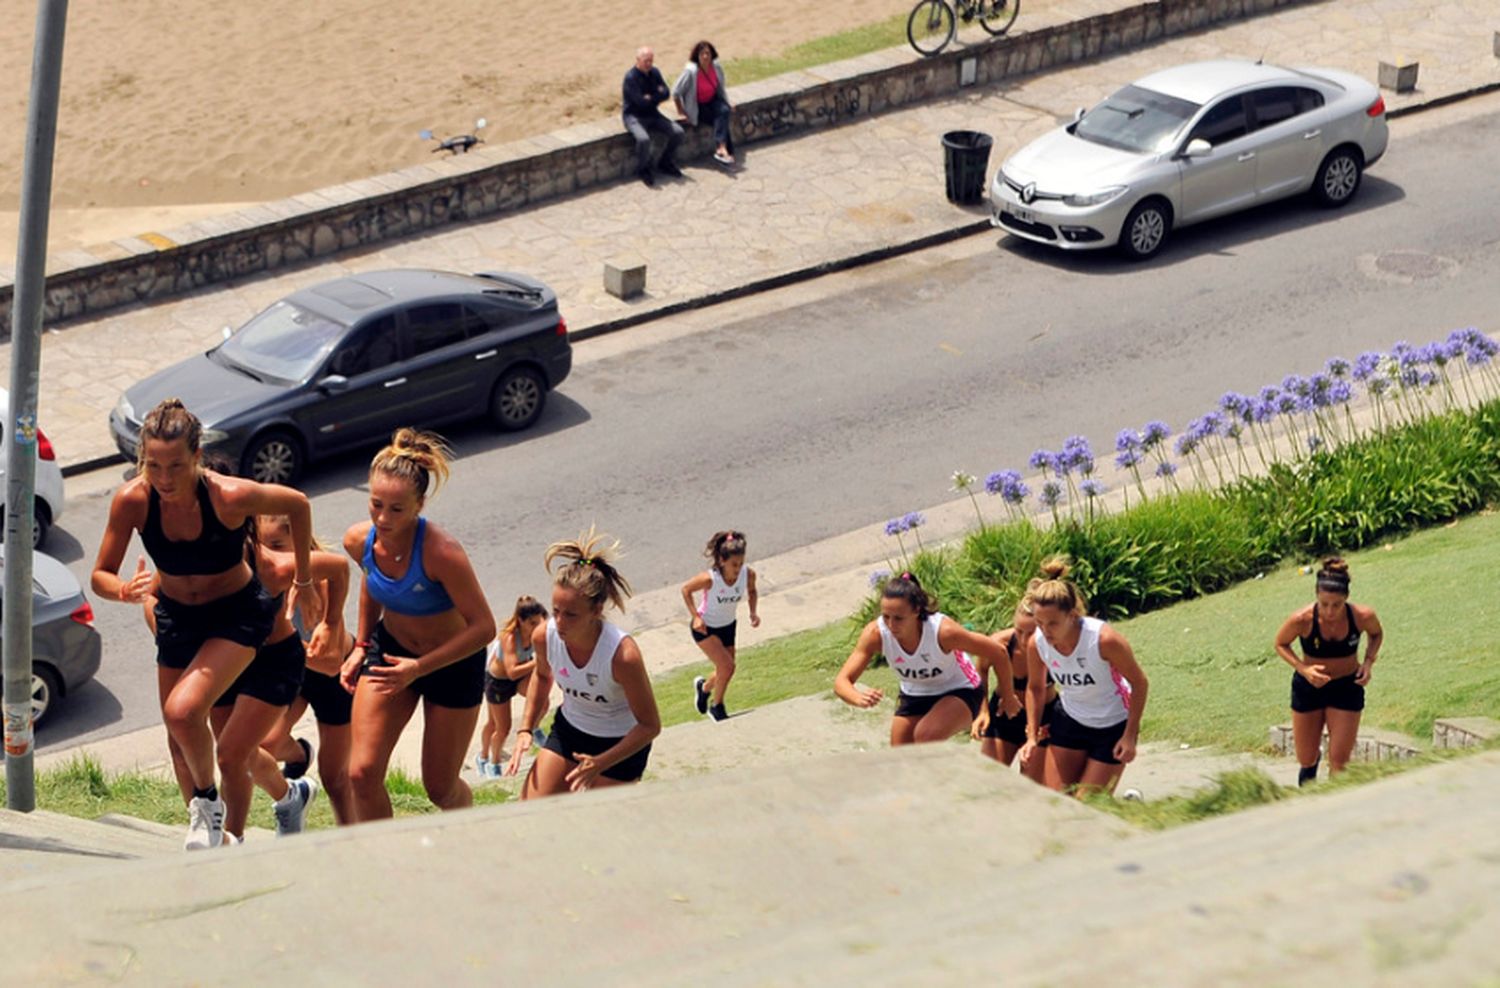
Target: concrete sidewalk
796,208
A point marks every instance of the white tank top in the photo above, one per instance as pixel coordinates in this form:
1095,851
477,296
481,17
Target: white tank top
721,600
592,701
1093,691
928,671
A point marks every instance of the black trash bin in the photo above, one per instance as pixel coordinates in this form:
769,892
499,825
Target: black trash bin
966,157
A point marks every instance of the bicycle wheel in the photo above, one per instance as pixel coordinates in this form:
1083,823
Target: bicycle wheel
930,26
996,16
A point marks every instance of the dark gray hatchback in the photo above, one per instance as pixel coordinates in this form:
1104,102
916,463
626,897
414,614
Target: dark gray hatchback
346,362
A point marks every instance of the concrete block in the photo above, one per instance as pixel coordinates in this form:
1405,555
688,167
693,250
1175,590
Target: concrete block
625,277
1496,45
1464,732
1400,76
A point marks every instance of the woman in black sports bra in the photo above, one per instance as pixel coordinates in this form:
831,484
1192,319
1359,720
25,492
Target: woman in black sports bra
212,613
1000,736
1328,684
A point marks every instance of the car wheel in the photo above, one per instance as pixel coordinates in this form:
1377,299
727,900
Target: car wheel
46,687
273,458
1145,229
1338,178
518,399
42,526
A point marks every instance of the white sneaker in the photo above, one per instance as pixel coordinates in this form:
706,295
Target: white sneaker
230,839
205,824
291,809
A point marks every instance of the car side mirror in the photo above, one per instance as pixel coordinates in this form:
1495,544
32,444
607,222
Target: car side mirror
333,384
1197,148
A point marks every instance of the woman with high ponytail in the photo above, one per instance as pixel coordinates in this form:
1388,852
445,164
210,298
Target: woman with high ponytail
1328,680
1092,732
713,599
602,732
423,627
941,690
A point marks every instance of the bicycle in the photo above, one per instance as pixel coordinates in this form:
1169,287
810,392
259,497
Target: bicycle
933,23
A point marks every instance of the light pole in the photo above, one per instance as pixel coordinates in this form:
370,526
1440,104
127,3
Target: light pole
25,363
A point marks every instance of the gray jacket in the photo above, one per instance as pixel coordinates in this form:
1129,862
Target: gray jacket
685,90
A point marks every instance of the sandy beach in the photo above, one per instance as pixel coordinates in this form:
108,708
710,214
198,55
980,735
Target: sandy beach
171,111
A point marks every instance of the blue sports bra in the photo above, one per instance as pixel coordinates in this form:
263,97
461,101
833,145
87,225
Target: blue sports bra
414,593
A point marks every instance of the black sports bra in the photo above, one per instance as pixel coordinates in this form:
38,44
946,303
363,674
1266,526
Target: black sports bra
1315,646
217,549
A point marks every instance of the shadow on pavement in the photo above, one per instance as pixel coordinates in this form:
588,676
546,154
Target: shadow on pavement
92,707
1222,235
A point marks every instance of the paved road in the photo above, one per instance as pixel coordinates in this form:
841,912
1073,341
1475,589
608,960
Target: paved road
808,413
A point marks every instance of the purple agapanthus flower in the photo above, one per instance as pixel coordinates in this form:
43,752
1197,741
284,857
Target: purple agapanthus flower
895,526
1366,364
1186,443
1128,439
1127,458
879,576
1314,442
1338,367
1076,455
1050,493
1044,460
913,519
1166,469
1154,433
1092,488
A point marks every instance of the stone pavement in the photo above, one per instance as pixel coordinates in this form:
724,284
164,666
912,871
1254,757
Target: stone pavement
797,206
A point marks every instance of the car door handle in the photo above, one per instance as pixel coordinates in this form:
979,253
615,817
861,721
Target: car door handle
1246,156
486,355
1311,134
396,382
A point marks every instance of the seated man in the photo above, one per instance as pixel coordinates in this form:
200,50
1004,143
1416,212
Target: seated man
644,91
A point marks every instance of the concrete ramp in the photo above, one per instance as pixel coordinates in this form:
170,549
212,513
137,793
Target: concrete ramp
655,880
37,846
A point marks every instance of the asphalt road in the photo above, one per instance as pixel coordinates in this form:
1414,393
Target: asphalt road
810,412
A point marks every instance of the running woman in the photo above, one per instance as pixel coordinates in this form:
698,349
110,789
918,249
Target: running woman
1328,681
327,647
719,590
423,626
263,693
602,733
1093,730
211,612
941,691
1001,737
510,661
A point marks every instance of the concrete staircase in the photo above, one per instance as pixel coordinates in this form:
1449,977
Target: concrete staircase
918,866
41,845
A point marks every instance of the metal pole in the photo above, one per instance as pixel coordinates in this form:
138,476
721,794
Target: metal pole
25,364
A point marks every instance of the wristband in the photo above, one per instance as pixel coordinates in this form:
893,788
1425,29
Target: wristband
527,730
302,583
362,644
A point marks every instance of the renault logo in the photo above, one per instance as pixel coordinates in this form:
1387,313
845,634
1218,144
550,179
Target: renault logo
1028,192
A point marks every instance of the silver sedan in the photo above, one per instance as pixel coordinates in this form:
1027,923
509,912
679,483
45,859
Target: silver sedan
1187,144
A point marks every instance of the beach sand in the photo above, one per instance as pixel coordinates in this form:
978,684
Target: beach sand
174,111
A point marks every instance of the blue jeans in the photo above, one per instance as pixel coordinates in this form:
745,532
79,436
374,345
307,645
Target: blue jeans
642,127
718,113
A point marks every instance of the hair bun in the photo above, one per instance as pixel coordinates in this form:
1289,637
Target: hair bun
1335,564
1056,568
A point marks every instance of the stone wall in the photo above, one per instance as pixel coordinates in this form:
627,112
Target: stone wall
494,180
1372,745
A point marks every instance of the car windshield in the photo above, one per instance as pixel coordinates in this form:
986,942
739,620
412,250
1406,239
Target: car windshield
284,343
1136,119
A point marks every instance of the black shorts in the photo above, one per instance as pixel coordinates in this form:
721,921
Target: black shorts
1099,742
724,634
331,704
498,689
274,676
1340,694
917,706
1012,730
459,685
244,617
567,741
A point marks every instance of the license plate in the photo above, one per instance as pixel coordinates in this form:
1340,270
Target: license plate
1024,215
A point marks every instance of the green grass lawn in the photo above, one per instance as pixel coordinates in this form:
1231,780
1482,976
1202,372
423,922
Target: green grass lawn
1215,679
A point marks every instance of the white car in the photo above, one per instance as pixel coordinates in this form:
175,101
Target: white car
1187,144
49,478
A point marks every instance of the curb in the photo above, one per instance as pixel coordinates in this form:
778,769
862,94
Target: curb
823,268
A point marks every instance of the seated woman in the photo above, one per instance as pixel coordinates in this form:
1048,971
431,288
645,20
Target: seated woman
700,96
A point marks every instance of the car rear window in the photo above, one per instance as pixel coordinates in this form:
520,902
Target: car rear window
285,343
1136,119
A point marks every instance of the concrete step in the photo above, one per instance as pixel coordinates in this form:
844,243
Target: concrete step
1373,744
1464,732
42,843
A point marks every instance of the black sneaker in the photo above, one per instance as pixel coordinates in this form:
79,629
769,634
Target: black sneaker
669,168
296,770
717,712
647,177
700,696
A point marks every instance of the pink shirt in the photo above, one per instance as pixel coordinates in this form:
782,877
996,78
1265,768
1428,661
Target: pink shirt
708,84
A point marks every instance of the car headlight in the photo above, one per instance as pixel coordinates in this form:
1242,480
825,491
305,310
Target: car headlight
211,436
1098,198
125,408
